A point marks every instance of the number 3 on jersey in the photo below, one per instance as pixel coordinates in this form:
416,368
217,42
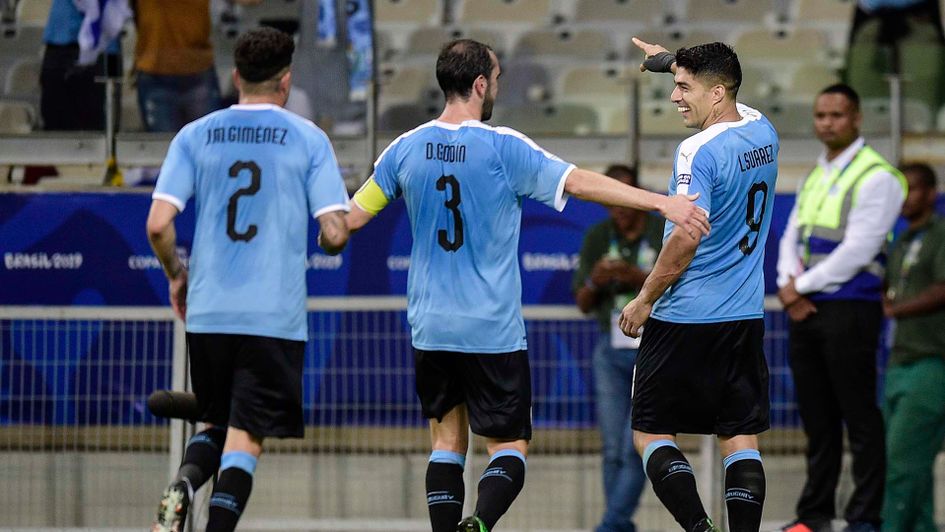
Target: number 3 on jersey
451,203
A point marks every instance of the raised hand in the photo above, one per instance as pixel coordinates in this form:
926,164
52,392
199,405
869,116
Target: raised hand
681,210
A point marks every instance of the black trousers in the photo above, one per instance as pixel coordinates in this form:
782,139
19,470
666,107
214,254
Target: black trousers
71,98
833,359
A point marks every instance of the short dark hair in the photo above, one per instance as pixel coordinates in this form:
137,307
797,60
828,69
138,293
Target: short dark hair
620,170
846,90
460,62
714,61
262,53
924,172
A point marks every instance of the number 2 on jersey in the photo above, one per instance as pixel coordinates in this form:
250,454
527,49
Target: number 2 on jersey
451,203
253,188
754,226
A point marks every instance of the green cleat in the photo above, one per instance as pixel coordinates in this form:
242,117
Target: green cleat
471,524
173,509
706,525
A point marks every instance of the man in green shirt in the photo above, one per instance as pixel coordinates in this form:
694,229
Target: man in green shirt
914,403
616,257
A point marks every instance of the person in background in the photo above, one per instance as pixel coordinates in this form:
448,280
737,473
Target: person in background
830,273
616,256
914,402
71,98
176,78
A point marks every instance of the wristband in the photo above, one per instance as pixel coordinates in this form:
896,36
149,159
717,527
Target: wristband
661,62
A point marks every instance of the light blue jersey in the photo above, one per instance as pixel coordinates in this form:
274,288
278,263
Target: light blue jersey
733,166
257,172
463,186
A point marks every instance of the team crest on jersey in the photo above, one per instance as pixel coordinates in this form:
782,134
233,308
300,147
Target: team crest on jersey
683,179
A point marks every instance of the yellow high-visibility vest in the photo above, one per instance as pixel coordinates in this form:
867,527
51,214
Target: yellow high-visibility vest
825,201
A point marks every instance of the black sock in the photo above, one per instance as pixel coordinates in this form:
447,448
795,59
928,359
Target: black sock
231,491
445,494
202,457
499,485
744,490
674,484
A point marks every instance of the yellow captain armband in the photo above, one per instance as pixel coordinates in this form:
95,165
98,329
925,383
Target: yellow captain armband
370,197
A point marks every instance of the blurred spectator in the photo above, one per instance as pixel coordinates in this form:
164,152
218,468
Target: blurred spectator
898,36
616,257
914,404
830,271
177,81
71,98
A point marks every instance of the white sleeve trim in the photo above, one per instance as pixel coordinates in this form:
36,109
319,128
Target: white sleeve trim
173,200
561,198
332,208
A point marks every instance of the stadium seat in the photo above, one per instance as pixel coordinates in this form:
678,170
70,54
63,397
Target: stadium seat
404,117
523,82
22,81
495,39
130,118
563,119
729,11
594,83
32,12
521,12
923,65
620,11
838,12
408,11
809,79
17,41
565,43
661,118
656,87
876,115
16,117
792,119
917,117
761,84
617,121
406,84
428,40
762,46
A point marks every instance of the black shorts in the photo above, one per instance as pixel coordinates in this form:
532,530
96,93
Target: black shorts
253,383
496,388
701,378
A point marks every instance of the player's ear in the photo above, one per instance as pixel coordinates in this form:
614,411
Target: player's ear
481,85
236,80
285,82
718,93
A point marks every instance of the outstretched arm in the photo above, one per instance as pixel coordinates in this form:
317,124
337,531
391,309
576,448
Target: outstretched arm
679,209
673,260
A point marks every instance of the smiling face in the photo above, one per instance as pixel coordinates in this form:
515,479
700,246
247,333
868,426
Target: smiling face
693,99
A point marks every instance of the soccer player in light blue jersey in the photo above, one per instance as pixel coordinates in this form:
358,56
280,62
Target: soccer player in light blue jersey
256,172
701,367
464,182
